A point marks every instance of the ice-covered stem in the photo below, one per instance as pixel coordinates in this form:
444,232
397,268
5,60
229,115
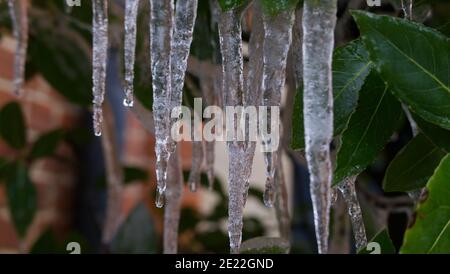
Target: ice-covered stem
319,20
18,10
114,177
173,206
185,15
131,13
277,40
340,237
161,13
281,203
196,167
347,188
99,59
230,32
207,86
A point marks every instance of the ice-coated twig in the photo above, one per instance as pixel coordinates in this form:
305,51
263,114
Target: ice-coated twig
172,210
197,164
131,13
277,40
161,28
99,59
18,10
347,188
114,175
319,20
185,16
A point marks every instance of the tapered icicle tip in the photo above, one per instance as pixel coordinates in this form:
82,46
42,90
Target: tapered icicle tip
97,120
162,159
160,198
269,193
235,242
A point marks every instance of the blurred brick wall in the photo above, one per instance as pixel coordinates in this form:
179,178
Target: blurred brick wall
45,109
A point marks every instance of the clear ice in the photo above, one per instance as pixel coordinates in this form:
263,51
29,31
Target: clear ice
131,13
18,10
277,40
161,28
100,57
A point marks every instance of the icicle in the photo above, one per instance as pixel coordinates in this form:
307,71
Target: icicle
347,188
18,10
160,50
100,56
253,85
196,167
131,12
319,20
233,87
277,40
185,15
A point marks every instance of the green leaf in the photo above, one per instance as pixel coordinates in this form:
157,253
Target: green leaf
21,195
431,231
46,144
273,8
351,65
439,136
369,129
12,125
385,242
265,245
137,234
413,165
227,5
413,60
59,57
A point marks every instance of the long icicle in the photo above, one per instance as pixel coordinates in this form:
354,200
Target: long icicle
100,57
185,16
277,40
230,32
131,13
253,83
161,27
18,10
347,188
319,20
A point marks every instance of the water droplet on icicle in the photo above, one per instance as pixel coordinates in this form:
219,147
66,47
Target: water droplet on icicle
99,59
18,10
